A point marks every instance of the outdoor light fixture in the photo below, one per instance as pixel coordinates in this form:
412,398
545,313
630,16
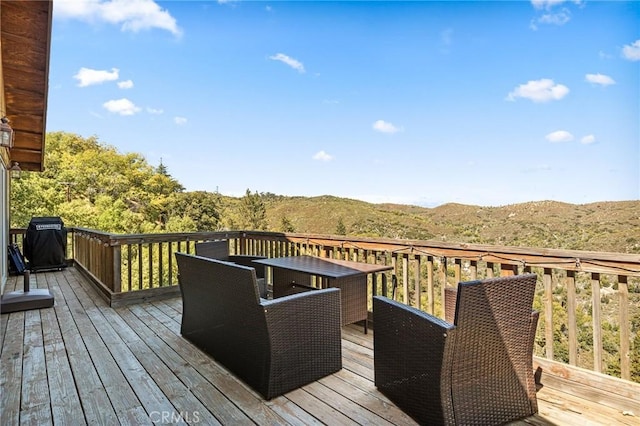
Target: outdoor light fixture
6,133
15,170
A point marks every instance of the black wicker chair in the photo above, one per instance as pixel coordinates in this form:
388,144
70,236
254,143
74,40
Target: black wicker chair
476,371
274,346
219,249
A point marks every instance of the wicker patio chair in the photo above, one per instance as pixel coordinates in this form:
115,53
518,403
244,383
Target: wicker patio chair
476,371
274,346
219,249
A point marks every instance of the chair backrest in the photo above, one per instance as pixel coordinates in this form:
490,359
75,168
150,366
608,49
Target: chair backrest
493,343
218,249
502,302
235,284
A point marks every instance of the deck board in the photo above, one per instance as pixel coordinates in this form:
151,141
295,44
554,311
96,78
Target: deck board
11,365
82,362
65,403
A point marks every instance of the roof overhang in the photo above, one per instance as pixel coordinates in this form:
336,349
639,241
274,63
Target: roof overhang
25,41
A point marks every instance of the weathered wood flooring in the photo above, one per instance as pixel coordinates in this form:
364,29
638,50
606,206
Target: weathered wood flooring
82,362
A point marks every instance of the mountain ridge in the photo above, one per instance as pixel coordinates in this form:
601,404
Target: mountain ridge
612,226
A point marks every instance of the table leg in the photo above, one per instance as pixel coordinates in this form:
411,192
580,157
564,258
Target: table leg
353,296
384,285
286,282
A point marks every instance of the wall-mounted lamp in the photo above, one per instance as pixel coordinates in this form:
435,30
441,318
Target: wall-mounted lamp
15,170
6,133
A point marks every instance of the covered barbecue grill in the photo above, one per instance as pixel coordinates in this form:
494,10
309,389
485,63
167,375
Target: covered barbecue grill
45,243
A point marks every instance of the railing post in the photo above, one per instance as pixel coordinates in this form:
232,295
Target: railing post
117,268
457,268
489,269
597,326
548,312
571,317
443,280
625,324
473,267
418,284
405,279
430,289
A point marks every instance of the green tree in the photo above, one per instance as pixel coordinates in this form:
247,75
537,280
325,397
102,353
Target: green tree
286,225
90,184
253,212
340,228
202,208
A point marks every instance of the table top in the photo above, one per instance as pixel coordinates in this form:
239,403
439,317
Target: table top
323,267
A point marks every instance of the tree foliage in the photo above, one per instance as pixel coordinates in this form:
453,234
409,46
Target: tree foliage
286,225
90,184
253,213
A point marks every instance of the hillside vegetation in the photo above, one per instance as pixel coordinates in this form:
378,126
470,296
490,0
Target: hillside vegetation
603,226
90,184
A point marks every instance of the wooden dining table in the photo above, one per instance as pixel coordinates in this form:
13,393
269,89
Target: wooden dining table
294,274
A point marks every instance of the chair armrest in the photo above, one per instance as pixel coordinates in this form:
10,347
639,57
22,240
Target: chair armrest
413,356
305,336
450,296
309,311
407,324
403,334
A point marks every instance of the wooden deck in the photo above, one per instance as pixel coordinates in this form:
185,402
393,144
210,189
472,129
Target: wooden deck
82,362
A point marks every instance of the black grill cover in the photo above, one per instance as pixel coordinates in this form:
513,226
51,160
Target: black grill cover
45,244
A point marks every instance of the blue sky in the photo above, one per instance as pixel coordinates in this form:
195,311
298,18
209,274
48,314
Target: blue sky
485,102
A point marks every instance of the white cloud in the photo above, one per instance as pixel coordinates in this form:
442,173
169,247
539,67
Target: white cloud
604,55
293,63
559,136
87,76
131,15
548,4
542,90
588,139
127,84
446,36
545,4
385,127
155,111
121,106
551,15
558,18
180,121
322,156
537,168
603,80
632,51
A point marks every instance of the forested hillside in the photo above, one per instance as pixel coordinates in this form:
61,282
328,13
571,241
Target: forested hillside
90,184
604,226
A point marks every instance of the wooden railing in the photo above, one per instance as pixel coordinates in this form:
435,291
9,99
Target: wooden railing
588,300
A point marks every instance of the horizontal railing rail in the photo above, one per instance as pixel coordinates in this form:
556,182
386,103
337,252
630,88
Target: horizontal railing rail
589,301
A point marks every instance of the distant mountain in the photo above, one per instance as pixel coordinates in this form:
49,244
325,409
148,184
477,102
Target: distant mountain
602,226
